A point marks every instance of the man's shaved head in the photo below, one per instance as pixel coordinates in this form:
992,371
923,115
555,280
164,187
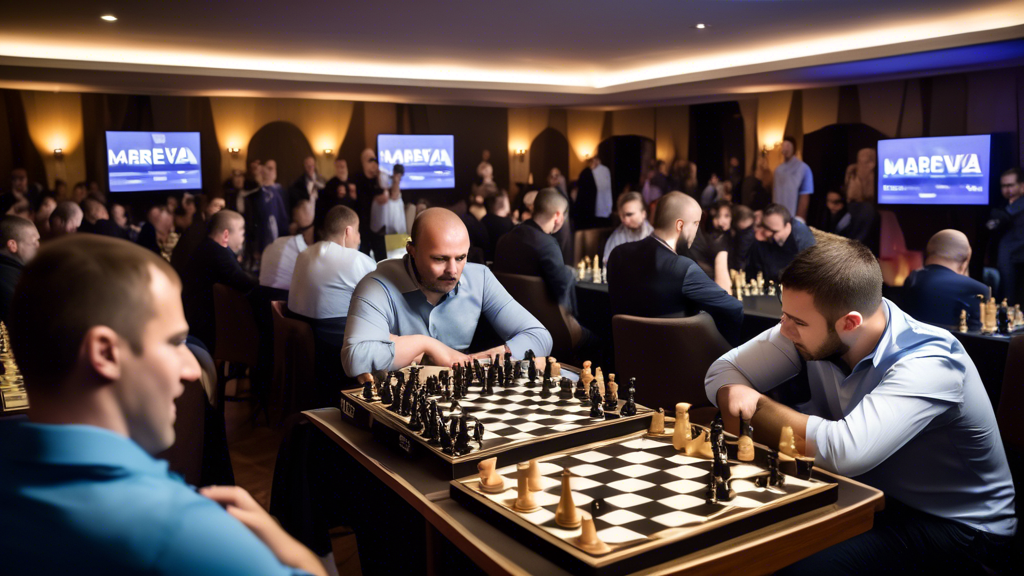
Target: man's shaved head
949,248
438,246
675,206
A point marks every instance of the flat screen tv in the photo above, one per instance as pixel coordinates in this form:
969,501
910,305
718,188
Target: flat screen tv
153,161
427,159
943,170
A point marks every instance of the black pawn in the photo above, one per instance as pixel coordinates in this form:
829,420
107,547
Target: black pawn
596,411
478,433
415,423
462,438
368,390
545,389
444,437
581,392
565,392
396,400
629,408
385,391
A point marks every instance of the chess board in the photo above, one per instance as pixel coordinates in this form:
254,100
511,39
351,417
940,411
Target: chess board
518,422
652,503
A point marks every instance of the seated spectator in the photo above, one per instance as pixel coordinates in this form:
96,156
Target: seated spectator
196,232
79,192
278,260
156,230
215,261
65,219
92,211
339,190
648,279
710,249
19,241
497,221
103,359
938,292
46,207
742,236
780,239
634,225
327,273
387,326
855,220
526,212
479,238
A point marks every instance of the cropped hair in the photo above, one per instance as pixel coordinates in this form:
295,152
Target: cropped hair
841,274
337,219
780,210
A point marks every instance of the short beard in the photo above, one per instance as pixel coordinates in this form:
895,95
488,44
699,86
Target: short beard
831,348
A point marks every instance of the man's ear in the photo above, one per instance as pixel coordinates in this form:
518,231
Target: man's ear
410,248
850,322
101,352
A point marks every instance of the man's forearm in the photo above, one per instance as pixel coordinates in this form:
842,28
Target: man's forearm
802,205
769,419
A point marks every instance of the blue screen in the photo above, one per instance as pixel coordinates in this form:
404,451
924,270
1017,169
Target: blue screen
428,160
946,170
144,161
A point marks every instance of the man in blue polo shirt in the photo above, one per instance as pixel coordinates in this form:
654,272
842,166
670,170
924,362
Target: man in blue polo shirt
873,394
98,332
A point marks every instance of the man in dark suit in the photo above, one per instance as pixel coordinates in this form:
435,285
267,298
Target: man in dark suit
780,238
938,292
214,261
648,279
497,221
19,241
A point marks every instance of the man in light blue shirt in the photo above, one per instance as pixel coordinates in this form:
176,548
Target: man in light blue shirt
103,359
876,395
426,306
793,182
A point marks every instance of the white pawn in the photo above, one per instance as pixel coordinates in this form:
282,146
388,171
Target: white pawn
524,498
567,516
681,434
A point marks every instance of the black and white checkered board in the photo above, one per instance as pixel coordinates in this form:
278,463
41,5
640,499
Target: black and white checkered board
512,416
653,501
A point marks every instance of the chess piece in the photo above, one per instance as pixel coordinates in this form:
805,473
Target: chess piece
719,450
533,475
963,321
658,423
581,391
681,434
596,411
700,447
804,467
581,270
1018,316
415,424
478,433
629,408
444,436
585,375
599,378
368,390
745,447
1003,318
771,288
385,391
611,397
490,481
787,442
567,516
524,497
565,389
462,438
588,539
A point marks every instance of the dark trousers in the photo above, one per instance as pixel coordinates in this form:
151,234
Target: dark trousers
907,541
375,242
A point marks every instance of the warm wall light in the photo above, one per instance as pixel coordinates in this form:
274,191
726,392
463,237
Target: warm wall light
58,153
328,151
234,151
108,18
521,154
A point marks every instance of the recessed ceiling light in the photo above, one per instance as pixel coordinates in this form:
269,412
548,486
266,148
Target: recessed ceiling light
109,18
700,26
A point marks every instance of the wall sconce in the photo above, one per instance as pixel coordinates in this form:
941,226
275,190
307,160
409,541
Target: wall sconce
521,154
328,151
58,153
234,151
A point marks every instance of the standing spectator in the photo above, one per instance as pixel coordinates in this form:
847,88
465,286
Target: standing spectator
19,241
557,180
368,191
497,221
860,177
634,225
1007,225
338,191
484,166
272,208
594,197
307,186
735,173
793,182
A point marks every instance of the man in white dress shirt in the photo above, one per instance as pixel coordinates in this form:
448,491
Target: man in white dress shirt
326,274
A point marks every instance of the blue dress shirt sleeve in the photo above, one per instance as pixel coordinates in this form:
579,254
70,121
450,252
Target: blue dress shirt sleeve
368,330
513,323
807,182
762,363
913,392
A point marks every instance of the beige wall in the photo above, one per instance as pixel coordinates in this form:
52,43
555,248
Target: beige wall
55,121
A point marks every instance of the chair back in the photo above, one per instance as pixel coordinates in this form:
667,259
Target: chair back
589,242
669,358
531,293
294,364
1011,429
186,456
237,336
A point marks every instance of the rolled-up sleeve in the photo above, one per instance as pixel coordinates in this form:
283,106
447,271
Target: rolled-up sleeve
513,323
762,363
368,344
913,392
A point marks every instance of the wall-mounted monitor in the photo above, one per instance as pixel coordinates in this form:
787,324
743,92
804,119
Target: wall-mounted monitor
153,161
428,159
943,170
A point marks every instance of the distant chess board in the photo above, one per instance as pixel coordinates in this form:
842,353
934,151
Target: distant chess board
654,504
518,421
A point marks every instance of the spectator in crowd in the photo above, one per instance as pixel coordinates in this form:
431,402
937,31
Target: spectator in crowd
121,216
743,236
103,358
860,177
684,177
793,183
780,239
172,203
19,241
485,164
339,190
79,192
497,221
308,186
46,207
634,225
526,212
649,279
938,292
235,186
754,195
65,219
60,188
735,173
368,191
710,195
386,328
214,261
272,213
194,235
1007,227
856,220
557,180
92,211
326,275
22,189
478,197
652,188
96,192
278,260
156,230
594,197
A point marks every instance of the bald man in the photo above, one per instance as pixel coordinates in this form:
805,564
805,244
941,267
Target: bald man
647,278
938,292
425,306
